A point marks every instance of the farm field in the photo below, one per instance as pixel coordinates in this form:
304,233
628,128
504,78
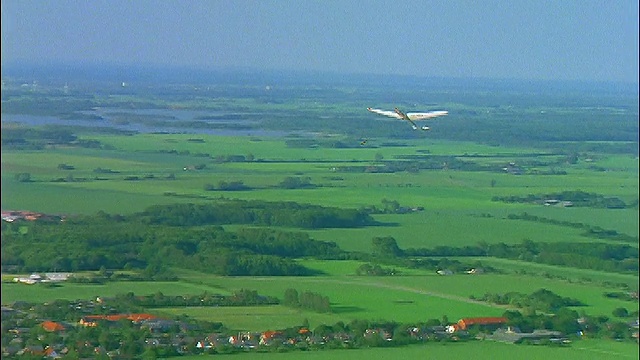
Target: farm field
484,350
448,197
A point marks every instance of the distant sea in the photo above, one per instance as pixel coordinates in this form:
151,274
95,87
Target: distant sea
61,73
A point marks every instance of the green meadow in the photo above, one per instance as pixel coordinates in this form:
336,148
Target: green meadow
484,350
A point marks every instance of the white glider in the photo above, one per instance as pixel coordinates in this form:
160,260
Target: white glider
410,117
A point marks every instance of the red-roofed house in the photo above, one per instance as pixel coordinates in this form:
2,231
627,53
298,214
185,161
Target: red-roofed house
270,336
52,326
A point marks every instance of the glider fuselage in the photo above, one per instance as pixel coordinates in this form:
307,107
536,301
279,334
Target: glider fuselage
403,115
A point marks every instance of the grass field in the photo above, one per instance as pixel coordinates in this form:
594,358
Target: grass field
12,292
482,350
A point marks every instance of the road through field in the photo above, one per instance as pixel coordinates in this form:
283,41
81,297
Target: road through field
401,288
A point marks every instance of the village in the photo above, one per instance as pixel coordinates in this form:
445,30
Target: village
13,215
57,338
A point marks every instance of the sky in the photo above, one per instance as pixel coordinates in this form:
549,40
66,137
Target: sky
588,40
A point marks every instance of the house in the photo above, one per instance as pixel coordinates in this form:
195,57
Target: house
51,353
57,276
52,326
160,325
551,202
377,332
475,271
513,335
32,279
202,344
10,216
10,351
482,322
513,169
32,350
92,320
444,272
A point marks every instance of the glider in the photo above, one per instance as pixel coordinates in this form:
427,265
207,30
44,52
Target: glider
411,116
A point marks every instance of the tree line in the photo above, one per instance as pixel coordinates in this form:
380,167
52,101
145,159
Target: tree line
255,212
620,258
242,297
590,231
577,198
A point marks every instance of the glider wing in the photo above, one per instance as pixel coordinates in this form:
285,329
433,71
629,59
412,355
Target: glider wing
388,113
426,115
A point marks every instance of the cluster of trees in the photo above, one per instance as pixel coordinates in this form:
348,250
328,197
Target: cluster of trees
237,185
118,242
220,159
307,300
23,177
186,235
391,207
290,182
32,138
255,212
386,250
100,170
622,295
23,138
577,198
540,300
571,322
375,270
296,182
183,153
233,158
66,167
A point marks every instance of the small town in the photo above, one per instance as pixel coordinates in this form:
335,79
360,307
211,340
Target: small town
113,328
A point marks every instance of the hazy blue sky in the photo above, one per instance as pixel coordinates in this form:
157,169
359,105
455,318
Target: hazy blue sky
534,39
